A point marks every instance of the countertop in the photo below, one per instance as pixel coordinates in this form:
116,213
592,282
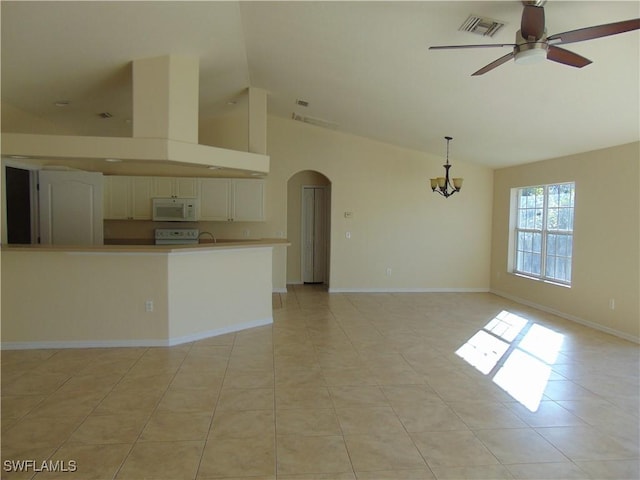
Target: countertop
141,246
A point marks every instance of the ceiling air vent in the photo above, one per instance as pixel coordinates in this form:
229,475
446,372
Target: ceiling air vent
105,115
313,121
487,27
302,103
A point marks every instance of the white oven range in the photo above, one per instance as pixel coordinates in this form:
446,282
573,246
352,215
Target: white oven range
176,236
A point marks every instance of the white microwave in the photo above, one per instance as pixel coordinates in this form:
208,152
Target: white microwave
175,209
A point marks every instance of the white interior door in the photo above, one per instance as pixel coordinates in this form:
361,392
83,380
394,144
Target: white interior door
70,207
314,234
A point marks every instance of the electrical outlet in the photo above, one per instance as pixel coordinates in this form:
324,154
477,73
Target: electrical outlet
148,306
388,271
245,233
612,303
347,235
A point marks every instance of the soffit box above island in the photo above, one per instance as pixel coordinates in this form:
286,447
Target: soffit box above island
133,149
165,125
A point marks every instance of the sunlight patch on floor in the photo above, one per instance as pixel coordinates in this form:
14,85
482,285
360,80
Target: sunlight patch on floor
526,368
524,378
483,351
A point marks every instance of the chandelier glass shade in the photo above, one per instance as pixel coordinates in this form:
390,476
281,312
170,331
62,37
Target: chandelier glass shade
444,185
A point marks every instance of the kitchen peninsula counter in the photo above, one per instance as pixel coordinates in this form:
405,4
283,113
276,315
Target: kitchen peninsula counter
56,296
142,245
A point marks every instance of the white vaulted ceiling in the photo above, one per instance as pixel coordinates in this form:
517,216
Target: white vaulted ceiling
364,67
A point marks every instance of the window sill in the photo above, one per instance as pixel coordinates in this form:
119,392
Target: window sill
542,280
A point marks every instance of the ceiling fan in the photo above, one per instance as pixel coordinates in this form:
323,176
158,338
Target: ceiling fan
533,44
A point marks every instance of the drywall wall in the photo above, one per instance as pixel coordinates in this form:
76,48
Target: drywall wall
229,130
16,120
429,242
219,290
606,249
58,298
397,222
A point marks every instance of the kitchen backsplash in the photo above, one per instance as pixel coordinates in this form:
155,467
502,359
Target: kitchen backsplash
144,229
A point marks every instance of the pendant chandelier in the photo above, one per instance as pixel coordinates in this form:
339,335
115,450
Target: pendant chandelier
443,185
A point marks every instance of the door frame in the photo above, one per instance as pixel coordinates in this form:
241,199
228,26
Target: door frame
33,194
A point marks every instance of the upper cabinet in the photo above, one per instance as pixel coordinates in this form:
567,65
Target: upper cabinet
215,199
179,187
221,199
248,200
116,202
232,200
127,198
141,198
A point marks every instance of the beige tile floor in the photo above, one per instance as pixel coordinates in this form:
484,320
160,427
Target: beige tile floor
342,386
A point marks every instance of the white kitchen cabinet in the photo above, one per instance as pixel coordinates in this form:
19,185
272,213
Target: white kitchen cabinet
215,199
248,200
180,187
141,198
116,198
221,199
231,200
127,198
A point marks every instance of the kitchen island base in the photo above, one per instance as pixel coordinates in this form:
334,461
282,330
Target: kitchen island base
75,298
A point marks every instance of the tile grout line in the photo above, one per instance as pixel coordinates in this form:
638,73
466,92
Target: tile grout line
153,410
65,442
215,408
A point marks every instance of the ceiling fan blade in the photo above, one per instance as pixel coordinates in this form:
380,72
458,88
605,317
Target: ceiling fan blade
597,31
561,55
532,24
452,47
494,64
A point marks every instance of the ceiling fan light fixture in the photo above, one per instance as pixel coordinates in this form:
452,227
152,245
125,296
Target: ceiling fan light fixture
533,45
529,53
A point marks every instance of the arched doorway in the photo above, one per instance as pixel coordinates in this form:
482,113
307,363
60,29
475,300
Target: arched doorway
308,228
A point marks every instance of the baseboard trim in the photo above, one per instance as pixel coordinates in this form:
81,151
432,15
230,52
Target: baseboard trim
58,344
170,342
280,290
219,331
568,316
408,290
